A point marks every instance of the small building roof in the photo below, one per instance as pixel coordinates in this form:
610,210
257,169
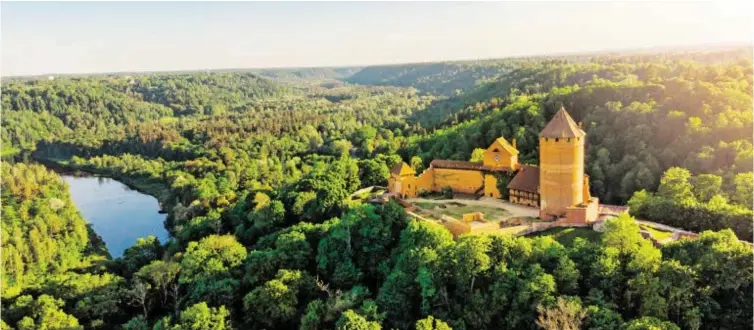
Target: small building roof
457,164
402,169
527,179
562,126
463,165
505,145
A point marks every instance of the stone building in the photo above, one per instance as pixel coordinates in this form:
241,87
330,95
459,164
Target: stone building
563,186
480,178
524,188
558,187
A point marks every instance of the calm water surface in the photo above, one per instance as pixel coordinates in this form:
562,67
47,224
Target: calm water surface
117,213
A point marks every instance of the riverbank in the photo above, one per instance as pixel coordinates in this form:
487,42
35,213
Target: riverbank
97,246
119,214
147,186
151,187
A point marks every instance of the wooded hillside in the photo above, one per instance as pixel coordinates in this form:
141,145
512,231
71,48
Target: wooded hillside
256,169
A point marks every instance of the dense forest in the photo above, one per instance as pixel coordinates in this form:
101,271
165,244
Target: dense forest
256,170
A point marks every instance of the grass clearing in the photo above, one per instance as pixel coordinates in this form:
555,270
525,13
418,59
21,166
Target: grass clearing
435,196
517,221
368,194
425,205
657,233
457,209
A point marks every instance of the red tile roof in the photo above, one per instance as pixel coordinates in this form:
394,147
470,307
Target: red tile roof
401,169
462,165
457,164
562,126
505,145
527,179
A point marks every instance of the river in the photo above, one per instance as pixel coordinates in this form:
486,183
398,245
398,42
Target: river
118,214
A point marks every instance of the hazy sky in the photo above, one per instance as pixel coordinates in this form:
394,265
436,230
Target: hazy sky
81,37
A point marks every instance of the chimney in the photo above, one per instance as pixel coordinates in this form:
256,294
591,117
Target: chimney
514,143
581,126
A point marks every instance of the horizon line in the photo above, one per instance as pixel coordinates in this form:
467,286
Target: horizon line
649,49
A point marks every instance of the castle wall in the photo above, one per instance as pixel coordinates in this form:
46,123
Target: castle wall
583,213
463,181
425,180
409,186
490,186
403,186
398,185
561,176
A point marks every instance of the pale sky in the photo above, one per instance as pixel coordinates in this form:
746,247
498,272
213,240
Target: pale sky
90,37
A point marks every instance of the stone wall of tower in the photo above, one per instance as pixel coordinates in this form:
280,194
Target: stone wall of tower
561,175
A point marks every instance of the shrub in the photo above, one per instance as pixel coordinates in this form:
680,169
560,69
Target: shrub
447,192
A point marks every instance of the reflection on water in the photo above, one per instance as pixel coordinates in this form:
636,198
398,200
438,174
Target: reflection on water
117,213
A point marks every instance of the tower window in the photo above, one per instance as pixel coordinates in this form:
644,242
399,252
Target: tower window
569,139
556,139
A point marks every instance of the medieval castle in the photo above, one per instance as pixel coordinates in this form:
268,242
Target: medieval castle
558,187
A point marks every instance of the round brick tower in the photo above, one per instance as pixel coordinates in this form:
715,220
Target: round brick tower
561,166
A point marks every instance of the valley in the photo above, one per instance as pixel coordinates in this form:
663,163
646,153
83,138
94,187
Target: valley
257,172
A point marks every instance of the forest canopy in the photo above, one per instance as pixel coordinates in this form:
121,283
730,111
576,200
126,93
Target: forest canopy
256,169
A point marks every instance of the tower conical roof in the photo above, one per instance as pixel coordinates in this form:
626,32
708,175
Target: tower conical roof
562,126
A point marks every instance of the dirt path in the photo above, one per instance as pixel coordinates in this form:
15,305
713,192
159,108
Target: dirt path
515,210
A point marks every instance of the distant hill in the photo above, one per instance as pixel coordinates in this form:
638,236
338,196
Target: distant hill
447,76
298,74
436,78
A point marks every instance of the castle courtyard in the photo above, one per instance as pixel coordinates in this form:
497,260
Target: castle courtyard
510,210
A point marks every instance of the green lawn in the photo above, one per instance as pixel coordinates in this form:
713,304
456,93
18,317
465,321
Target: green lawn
435,196
425,205
369,194
526,219
458,209
566,235
657,233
